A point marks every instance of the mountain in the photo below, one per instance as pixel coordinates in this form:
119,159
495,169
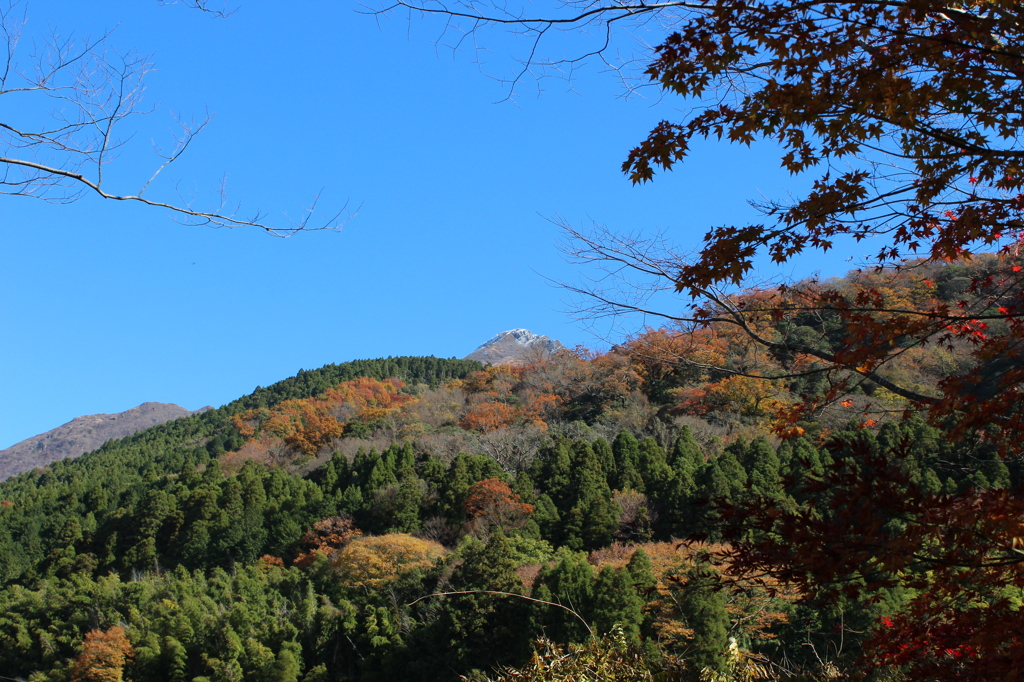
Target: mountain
85,434
315,514
516,346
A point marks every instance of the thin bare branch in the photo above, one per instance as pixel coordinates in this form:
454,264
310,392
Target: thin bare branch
77,96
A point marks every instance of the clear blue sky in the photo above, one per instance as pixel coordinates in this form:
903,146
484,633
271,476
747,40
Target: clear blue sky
109,305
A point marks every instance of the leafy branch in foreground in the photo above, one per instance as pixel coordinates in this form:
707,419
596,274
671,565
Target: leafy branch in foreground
906,115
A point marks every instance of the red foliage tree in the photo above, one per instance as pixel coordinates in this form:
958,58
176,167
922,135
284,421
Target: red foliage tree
490,503
325,539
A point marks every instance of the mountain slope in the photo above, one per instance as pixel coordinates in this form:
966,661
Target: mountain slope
515,346
85,434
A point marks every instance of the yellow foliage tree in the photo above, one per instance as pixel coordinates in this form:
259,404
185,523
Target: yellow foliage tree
374,561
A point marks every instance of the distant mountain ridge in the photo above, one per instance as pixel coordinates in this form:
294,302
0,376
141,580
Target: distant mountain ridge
514,346
85,434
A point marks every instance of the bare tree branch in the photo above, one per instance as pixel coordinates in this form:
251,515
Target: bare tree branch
634,269
202,6
68,102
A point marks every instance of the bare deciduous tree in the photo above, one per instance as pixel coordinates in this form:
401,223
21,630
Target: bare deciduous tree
67,105
553,40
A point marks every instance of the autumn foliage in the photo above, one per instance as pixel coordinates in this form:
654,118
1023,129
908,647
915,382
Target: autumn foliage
325,539
906,115
374,561
308,424
103,657
505,395
490,503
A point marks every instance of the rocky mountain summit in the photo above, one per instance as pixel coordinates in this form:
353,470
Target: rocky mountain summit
515,346
85,434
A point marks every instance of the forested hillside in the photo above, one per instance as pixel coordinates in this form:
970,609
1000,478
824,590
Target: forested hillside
83,434
427,519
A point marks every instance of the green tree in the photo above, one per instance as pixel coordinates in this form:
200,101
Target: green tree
657,475
478,629
702,607
616,602
592,516
724,480
627,463
763,468
569,582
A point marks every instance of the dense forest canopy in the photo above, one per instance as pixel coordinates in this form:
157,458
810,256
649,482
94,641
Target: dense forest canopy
804,481
429,519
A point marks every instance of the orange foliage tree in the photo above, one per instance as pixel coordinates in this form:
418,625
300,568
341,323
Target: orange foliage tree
103,656
308,424
490,504
367,399
488,416
504,395
567,385
304,424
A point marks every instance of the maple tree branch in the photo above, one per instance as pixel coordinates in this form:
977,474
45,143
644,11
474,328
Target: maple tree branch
202,6
643,256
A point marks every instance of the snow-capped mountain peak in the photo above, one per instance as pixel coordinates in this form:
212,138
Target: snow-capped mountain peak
514,346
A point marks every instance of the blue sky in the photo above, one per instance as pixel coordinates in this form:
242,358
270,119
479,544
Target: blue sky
108,305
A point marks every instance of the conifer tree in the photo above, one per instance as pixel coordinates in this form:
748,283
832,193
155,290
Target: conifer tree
605,456
641,573
592,518
553,473
477,630
616,602
723,480
627,463
702,607
762,466
570,582
654,469
686,453
405,514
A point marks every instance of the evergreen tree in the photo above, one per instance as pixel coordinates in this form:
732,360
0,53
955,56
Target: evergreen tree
806,464
552,471
686,454
593,517
762,466
627,463
654,470
404,515
702,608
605,456
616,603
479,630
570,582
723,480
